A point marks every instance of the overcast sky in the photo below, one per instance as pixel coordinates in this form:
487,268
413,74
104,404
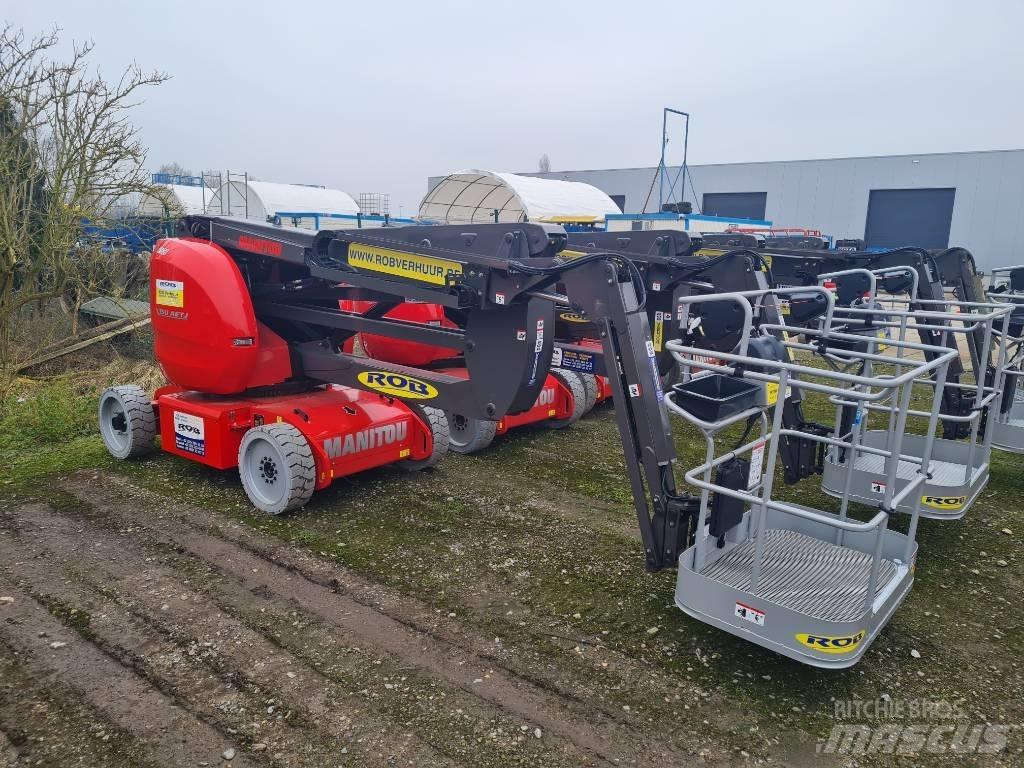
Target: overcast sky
378,96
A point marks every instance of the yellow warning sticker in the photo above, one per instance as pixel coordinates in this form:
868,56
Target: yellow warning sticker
771,392
568,254
170,293
659,330
424,268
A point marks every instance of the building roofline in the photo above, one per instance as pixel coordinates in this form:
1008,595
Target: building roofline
775,162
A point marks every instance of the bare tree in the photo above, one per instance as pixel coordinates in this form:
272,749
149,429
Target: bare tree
544,164
174,169
68,154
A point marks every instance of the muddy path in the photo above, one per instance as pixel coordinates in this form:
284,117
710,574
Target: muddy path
195,640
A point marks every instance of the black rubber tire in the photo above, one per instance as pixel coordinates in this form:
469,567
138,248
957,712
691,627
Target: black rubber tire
467,435
140,423
579,397
288,451
440,440
590,385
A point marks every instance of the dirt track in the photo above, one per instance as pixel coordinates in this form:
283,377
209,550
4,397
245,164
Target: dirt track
147,632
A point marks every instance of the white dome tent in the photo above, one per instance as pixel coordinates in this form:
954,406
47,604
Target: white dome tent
293,204
174,200
473,196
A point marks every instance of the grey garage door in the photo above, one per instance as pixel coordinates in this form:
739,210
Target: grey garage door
918,217
738,205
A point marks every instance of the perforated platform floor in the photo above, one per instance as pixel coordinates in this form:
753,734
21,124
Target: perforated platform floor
943,472
804,574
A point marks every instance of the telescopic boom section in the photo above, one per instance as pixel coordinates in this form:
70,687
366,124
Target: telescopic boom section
499,281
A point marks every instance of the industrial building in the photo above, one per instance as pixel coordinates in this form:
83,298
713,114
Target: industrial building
971,199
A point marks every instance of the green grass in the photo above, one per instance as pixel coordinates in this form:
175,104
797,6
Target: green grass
49,429
52,413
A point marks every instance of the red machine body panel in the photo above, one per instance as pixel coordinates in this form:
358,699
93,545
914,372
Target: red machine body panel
205,333
348,430
410,353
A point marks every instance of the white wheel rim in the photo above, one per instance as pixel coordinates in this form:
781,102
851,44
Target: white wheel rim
114,425
461,430
265,473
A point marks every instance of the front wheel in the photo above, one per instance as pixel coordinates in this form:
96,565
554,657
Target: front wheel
277,468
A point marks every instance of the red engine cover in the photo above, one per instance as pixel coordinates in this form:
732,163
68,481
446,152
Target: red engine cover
205,333
403,352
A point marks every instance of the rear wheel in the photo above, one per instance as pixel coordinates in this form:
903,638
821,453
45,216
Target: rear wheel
277,469
437,421
590,385
466,435
579,399
128,421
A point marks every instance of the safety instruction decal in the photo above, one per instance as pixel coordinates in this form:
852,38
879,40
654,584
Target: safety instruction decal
756,463
575,361
538,346
170,293
659,329
189,433
747,613
654,371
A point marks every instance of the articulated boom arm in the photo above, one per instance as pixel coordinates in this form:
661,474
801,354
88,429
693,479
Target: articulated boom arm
958,271
672,273
500,280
